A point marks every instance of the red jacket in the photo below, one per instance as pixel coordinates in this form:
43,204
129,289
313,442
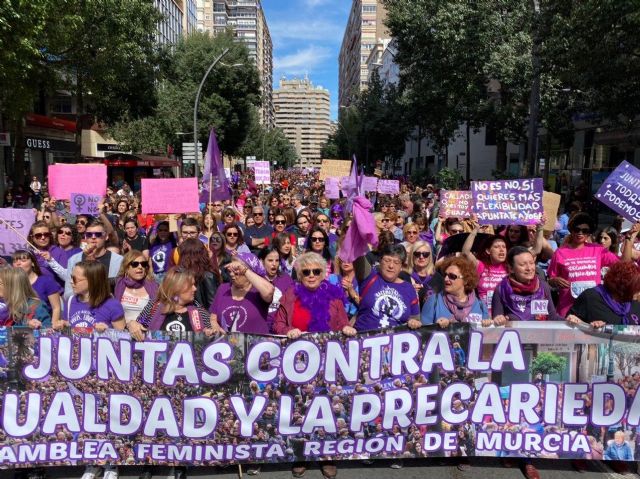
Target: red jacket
283,322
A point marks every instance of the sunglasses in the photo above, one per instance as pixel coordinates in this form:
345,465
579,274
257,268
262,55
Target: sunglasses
584,231
75,279
229,215
231,235
135,264
94,234
280,222
412,232
421,254
316,239
308,272
82,223
322,220
452,276
455,232
216,239
218,204
66,233
258,214
42,235
47,217
385,220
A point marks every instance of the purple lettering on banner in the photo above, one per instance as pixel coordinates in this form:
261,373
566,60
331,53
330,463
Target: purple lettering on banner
262,171
508,202
388,187
456,204
621,191
170,195
12,220
85,204
331,188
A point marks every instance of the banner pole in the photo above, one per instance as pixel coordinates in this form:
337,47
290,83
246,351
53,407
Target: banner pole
240,471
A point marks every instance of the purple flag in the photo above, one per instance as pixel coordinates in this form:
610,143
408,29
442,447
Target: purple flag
353,187
213,176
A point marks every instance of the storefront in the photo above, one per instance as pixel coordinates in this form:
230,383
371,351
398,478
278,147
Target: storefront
46,141
129,168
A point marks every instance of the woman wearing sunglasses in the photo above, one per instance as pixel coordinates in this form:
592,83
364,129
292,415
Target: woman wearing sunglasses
458,301
135,285
40,236
318,242
234,238
577,265
68,239
426,280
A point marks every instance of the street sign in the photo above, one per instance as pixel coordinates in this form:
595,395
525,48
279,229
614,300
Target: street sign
188,152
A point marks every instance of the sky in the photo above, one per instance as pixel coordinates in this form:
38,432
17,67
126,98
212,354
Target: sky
306,36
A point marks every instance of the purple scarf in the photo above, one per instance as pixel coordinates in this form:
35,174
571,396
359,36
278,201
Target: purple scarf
459,309
318,302
619,309
125,282
518,304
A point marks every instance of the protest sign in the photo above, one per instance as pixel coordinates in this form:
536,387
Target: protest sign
334,169
263,172
461,387
456,204
170,195
551,206
77,178
508,202
12,219
332,188
369,183
388,187
85,204
621,191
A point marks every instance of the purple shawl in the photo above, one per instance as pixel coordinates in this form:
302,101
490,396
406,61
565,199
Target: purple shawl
518,305
125,282
619,309
318,302
362,232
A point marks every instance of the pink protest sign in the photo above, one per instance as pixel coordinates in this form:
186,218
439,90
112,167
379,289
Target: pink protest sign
388,187
263,173
170,195
77,178
331,188
456,204
369,183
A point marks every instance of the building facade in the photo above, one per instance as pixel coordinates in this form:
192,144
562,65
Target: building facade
248,23
302,112
365,29
180,18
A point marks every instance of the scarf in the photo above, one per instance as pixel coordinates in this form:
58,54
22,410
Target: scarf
318,302
362,232
516,297
125,282
459,309
619,309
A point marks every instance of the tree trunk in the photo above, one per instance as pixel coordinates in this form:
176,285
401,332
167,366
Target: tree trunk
501,155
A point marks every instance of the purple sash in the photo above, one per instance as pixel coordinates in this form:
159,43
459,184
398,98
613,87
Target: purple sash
518,304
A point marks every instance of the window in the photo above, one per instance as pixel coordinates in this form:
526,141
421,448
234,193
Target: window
61,104
368,9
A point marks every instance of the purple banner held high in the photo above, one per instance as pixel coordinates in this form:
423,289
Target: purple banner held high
508,202
215,184
621,191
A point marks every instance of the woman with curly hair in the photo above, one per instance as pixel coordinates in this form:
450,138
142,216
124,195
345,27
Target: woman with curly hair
194,257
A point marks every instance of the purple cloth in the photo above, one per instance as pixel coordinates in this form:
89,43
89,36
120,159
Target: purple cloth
317,303
214,176
4,312
619,309
69,253
82,315
60,256
248,315
159,255
518,305
252,261
123,283
45,286
362,232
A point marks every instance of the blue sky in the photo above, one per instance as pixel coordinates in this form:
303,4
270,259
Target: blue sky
306,37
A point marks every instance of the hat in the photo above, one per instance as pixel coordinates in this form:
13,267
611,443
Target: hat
252,261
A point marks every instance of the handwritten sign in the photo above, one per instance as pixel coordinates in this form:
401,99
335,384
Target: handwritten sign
388,187
170,195
621,191
334,169
12,219
456,204
263,172
369,183
331,188
85,204
551,206
508,202
77,178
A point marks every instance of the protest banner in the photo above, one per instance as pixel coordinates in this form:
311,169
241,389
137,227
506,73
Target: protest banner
14,229
263,172
508,202
334,169
332,188
77,178
621,191
456,204
253,399
170,195
551,206
369,183
85,204
388,187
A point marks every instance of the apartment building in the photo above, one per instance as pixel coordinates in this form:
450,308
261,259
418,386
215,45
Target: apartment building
179,19
302,112
365,29
249,25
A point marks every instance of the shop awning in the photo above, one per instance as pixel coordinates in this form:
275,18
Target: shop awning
140,160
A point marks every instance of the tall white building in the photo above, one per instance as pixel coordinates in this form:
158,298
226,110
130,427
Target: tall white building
179,19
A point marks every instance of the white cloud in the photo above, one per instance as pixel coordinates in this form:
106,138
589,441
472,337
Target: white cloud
302,61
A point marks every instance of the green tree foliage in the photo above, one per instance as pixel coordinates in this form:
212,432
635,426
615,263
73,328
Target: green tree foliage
268,144
548,363
449,179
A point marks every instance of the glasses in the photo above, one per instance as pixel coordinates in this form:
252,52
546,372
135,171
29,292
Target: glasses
258,214
584,231
452,276
219,205
216,239
229,215
308,272
422,254
317,239
47,217
280,222
190,234
75,279
385,220
41,235
412,232
323,220
455,232
82,223
231,235
93,234
136,264
66,233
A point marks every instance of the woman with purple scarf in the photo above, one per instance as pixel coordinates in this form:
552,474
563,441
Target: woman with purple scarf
522,295
135,286
615,301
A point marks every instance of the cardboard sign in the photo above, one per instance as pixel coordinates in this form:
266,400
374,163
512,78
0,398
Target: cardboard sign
331,188
78,178
551,206
369,183
621,191
84,204
456,204
12,219
508,202
388,187
334,169
170,195
263,172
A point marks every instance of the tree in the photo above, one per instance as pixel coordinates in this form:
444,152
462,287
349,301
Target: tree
548,363
330,148
268,144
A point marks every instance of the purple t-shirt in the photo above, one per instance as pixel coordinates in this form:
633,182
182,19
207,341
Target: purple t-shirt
81,315
248,315
60,256
159,254
45,286
384,304
281,284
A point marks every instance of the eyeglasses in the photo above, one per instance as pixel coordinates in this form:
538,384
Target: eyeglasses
66,233
189,234
308,272
385,220
219,205
584,231
93,234
323,220
75,279
317,239
82,223
280,222
41,235
47,217
456,231
216,239
258,214
230,234
135,264
421,254
229,215
452,276
412,232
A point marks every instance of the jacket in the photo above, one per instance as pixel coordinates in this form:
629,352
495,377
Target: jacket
283,322
114,268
